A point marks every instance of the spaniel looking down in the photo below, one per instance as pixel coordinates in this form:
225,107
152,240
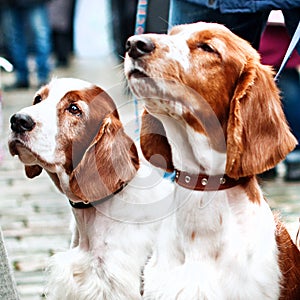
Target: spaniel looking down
73,131
213,114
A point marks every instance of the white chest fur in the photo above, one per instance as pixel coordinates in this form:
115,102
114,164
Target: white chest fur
215,248
115,241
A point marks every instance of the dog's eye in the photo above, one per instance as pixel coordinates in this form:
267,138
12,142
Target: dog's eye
74,109
206,48
37,99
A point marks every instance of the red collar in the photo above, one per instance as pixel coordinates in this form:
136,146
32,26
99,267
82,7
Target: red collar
203,182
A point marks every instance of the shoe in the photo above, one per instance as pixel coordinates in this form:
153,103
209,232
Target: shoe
292,172
17,85
269,174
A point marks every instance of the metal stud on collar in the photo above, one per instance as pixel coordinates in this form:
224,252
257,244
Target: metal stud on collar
204,181
187,179
222,180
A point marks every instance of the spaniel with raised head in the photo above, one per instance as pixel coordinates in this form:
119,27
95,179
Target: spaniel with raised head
213,115
73,132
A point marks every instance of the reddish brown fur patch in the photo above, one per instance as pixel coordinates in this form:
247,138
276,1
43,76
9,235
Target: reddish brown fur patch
193,122
76,132
289,262
154,143
43,92
220,219
258,135
253,190
110,161
193,235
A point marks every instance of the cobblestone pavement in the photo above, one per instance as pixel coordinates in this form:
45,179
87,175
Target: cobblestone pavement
35,217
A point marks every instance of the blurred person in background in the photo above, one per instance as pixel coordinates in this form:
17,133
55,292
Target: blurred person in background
123,19
61,13
21,21
246,18
274,43
123,15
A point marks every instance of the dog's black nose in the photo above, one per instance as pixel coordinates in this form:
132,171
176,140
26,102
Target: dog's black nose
137,46
20,123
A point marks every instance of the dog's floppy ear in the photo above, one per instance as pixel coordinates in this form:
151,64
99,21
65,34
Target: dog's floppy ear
33,171
258,136
110,160
154,143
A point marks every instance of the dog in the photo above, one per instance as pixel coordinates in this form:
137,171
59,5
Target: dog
213,116
74,133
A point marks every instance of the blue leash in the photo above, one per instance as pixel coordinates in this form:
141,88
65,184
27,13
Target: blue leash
141,16
140,27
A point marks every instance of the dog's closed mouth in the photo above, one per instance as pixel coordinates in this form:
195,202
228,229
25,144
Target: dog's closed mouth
24,153
14,146
136,74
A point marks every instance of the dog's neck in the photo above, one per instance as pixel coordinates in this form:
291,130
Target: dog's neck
127,207
191,151
208,210
210,213
93,221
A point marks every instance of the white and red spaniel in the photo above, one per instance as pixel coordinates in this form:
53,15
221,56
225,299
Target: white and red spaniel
73,132
213,114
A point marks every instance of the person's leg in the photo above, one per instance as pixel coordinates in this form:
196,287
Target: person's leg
13,22
289,84
61,47
292,19
39,22
248,26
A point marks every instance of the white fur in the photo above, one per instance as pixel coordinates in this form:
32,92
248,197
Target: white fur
215,265
233,254
115,242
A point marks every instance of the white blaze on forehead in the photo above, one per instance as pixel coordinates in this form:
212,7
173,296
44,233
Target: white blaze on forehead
178,51
59,87
46,111
186,31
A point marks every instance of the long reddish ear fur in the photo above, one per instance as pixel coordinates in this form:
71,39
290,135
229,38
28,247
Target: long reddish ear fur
109,161
154,143
258,136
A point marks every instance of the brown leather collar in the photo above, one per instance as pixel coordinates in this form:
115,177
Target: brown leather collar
202,182
83,205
